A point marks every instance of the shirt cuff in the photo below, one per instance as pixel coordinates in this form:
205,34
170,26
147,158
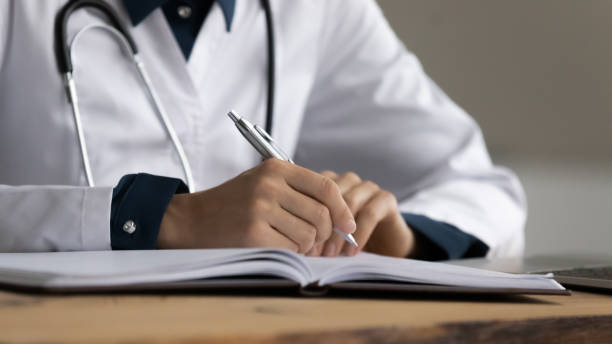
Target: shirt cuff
138,206
444,241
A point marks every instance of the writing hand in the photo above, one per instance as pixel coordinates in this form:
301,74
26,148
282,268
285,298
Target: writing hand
275,204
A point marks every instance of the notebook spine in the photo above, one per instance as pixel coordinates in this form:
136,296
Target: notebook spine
314,289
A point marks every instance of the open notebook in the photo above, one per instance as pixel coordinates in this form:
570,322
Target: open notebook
248,268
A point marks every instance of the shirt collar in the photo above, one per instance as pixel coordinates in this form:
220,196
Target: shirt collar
138,10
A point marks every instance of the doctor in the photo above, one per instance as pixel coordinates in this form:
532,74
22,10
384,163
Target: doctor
405,169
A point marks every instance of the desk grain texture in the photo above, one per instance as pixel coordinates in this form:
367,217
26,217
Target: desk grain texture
28,318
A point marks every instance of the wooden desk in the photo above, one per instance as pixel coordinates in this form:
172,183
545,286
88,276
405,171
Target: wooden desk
582,318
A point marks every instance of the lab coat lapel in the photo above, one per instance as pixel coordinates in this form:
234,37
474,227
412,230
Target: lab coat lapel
169,73
196,96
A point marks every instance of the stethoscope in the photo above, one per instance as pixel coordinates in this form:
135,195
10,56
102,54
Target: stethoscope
118,30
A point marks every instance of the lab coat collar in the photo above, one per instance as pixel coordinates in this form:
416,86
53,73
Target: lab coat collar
138,10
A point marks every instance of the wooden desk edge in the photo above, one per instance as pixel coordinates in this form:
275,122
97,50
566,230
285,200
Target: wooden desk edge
581,329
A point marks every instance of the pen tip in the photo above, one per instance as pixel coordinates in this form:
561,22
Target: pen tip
233,116
352,240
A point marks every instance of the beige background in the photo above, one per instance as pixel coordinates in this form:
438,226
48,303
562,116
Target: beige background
537,76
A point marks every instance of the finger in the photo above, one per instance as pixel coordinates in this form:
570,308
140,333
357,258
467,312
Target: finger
330,174
334,245
309,210
368,217
315,251
297,230
359,195
324,190
274,238
347,181
355,198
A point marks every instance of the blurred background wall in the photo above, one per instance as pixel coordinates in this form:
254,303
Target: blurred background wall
537,76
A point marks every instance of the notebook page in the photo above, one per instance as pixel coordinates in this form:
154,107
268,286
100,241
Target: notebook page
236,269
367,266
126,267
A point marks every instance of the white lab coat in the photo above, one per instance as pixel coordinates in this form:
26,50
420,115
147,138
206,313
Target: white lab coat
349,97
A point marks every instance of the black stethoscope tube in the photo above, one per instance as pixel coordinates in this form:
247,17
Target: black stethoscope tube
271,64
64,61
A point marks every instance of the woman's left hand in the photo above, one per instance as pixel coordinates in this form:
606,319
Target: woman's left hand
381,228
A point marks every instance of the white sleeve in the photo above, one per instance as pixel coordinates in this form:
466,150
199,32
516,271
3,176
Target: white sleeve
50,218
374,111
54,218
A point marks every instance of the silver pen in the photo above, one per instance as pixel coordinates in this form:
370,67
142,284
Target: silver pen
267,148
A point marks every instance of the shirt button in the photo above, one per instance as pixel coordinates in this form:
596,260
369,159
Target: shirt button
184,11
129,227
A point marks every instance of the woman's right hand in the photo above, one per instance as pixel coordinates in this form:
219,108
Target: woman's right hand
275,204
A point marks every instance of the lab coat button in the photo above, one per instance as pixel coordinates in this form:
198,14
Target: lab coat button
129,227
184,11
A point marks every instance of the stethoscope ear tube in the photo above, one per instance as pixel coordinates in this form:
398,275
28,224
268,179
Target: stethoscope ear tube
62,49
63,52
271,64
64,58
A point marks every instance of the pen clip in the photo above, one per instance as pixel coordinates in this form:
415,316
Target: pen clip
264,134
271,141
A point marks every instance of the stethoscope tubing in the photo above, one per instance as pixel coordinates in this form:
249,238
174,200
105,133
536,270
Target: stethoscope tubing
64,55
161,112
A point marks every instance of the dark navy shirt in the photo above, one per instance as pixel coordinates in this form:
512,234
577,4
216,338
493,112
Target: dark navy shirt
185,17
139,201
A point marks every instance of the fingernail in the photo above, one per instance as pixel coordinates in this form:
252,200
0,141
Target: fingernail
352,226
330,250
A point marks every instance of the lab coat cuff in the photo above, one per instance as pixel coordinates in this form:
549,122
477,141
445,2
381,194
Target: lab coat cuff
138,206
95,215
444,241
